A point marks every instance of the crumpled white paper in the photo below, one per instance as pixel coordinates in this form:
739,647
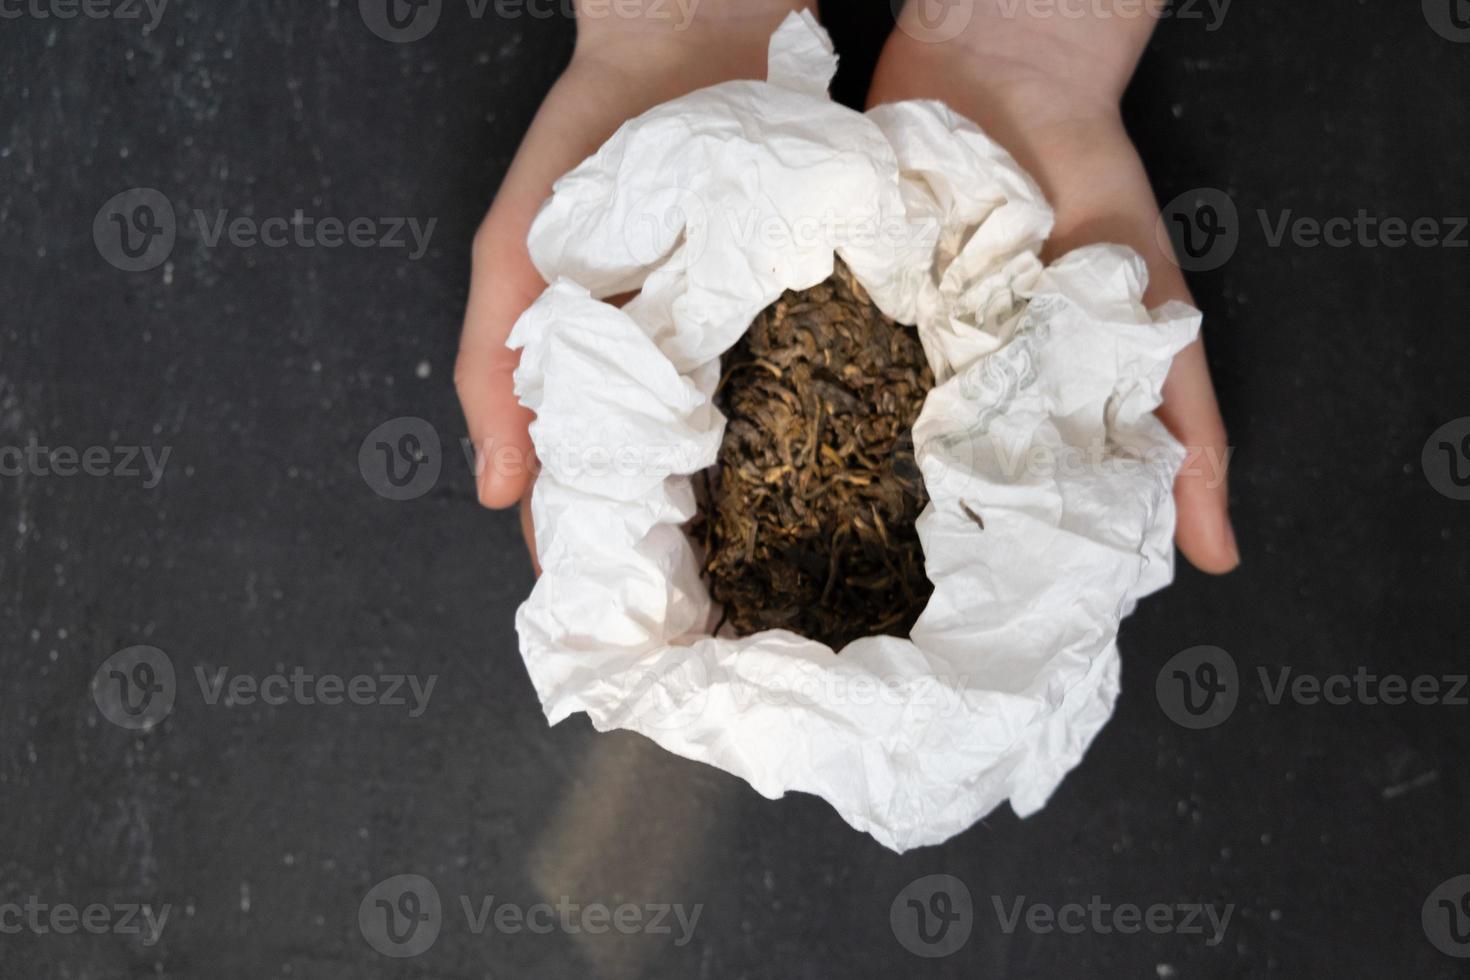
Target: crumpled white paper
1040,428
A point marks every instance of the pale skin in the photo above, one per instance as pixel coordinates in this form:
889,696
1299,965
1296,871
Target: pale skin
1046,87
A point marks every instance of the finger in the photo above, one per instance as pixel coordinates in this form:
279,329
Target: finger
579,113
502,284
1204,533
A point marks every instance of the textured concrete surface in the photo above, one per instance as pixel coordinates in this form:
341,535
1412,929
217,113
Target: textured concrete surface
256,545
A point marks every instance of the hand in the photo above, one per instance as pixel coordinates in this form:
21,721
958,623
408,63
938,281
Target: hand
1048,90
622,66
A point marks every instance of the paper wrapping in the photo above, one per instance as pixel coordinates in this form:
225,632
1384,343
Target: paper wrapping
1040,428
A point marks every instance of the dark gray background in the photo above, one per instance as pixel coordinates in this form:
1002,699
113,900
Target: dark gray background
263,548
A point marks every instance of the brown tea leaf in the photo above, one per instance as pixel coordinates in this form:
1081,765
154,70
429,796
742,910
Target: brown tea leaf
809,521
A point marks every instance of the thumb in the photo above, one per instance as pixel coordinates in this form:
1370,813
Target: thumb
503,284
1204,533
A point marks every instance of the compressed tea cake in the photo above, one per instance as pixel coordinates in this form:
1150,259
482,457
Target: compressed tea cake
810,517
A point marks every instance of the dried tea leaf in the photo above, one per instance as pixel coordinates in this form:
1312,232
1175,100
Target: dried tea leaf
809,521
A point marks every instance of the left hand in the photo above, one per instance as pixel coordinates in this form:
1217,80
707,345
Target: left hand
1053,103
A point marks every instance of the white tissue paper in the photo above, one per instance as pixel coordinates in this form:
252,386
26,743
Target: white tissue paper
1041,426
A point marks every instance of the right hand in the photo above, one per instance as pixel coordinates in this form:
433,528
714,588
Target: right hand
622,66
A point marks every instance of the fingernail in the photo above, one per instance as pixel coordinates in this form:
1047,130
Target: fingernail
1231,542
